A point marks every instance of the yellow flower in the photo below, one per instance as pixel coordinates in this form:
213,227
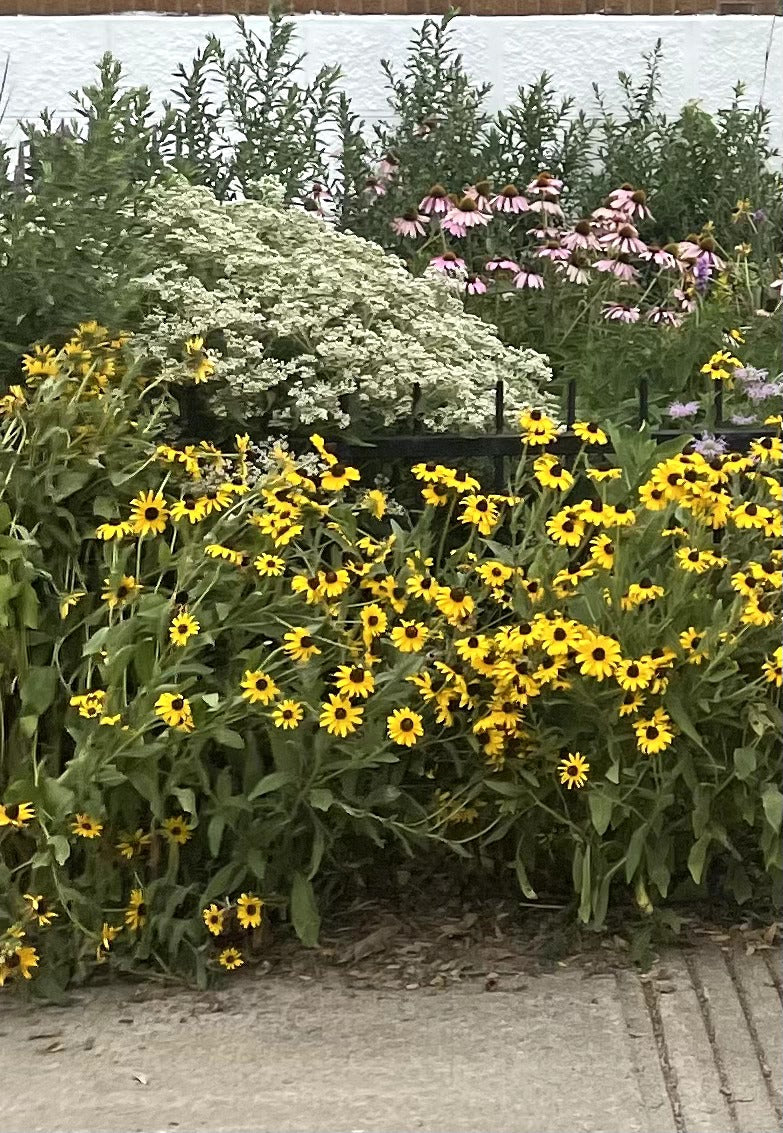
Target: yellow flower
183,627
300,645
459,479
12,401
454,603
259,688
149,513
124,591
114,529
481,512
603,472
436,495
537,428
589,432
597,655
19,962
773,668
215,499
632,675
375,502
174,709
213,917
227,554
750,516
559,636
188,508
550,473
654,734
374,622
494,573
631,703
69,601
603,550
86,827
249,910
422,586
639,592
566,528
409,636
133,844
338,476
334,583
720,367
40,909
136,912
42,363
354,680
288,714
697,562
308,585
573,770
90,704
339,716
16,814
653,496
404,726
230,959
769,450
269,566
200,365
177,830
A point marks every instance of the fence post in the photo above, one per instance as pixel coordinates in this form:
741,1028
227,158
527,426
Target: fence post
571,404
644,402
499,462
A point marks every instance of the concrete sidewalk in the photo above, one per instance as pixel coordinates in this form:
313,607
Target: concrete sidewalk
695,1047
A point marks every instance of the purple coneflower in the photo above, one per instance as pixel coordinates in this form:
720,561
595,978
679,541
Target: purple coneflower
659,256
575,270
678,410
545,234
661,316
388,166
709,445
436,200
530,279
625,239
606,218
475,285
410,223
544,182
621,313
448,262
618,267
463,216
552,251
582,237
479,193
509,199
707,255
686,298
633,204
374,187
688,249
547,206
501,265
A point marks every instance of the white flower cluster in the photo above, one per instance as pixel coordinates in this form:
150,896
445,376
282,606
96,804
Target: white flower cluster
306,325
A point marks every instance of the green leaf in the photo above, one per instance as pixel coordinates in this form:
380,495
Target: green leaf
60,848
272,782
601,806
634,852
772,801
321,798
186,798
744,762
256,863
224,881
304,911
698,856
37,688
585,903
681,718
215,828
229,738
522,877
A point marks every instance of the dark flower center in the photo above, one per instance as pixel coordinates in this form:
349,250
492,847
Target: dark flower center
651,733
457,594
599,654
560,634
340,713
305,642
151,514
141,909
411,632
357,675
178,703
251,910
633,671
694,556
330,577
262,683
122,591
338,470
406,724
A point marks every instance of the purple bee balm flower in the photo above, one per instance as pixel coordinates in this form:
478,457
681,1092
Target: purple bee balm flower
749,374
708,445
760,391
759,216
679,409
743,419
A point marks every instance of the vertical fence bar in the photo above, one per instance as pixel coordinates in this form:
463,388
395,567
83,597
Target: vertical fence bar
571,404
415,399
499,462
644,402
718,403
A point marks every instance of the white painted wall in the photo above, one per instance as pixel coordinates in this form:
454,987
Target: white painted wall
704,55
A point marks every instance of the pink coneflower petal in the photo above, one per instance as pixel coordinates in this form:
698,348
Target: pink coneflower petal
625,240
509,199
575,270
474,285
374,188
436,201
552,251
544,182
529,279
621,313
448,262
501,265
686,299
658,256
388,166
581,238
618,267
479,194
410,224
547,206
661,316
463,216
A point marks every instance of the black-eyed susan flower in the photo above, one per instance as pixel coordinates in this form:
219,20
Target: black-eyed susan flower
114,529
288,715
334,583
374,621
300,645
106,936
755,613
339,476
272,566
655,733
602,551
459,479
354,680
455,603
428,472
422,586
188,508
149,513
694,561
573,770
309,586
85,826
632,675
249,910
559,635
436,495
597,655
131,845
721,366
258,687
40,909
773,668
481,512
136,911
89,704
215,499
768,450
566,528
16,814
174,709
227,554
589,432
42,363
409,636
68,601
18,962
640,592
619,515
375,503
550,473
176,830
182,628
630,704
494,573
537,428
601,472
340,716
118,593
653,496
692,644
214,919
230,959
404,727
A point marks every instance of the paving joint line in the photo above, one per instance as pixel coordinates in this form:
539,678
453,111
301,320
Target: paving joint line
774,973
668,1072
709,1026
766,1072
